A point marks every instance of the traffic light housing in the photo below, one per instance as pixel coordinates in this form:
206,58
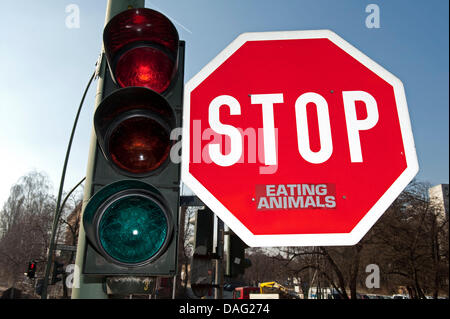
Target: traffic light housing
202,270
203,239
58,269
31,272
131,219
236,263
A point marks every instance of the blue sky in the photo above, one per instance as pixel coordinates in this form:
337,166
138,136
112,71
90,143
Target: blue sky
45,66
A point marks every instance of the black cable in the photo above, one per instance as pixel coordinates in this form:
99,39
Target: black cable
58,201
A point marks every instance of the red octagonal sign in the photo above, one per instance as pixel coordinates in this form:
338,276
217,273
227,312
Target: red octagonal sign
296,139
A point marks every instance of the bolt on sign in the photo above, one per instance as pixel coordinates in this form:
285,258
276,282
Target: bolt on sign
296,139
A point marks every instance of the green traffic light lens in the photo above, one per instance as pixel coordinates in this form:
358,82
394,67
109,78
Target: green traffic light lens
133,229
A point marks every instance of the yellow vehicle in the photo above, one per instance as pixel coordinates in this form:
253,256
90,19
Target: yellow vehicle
272,287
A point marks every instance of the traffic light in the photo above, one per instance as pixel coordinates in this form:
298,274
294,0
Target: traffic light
236,263
58,269
202,269
203,221
131,221
31,272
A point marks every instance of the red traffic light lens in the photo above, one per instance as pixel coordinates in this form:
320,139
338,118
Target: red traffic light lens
141,47
133,127
145,66
139,144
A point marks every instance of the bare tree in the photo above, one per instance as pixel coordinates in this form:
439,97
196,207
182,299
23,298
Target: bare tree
265,266
407,244
25,222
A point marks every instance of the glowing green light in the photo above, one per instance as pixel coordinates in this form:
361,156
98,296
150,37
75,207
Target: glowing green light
133,229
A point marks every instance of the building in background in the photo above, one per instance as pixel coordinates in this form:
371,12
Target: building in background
439,197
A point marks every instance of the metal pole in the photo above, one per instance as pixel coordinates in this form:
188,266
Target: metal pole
226,244
181,250
218,293
174,286
91,287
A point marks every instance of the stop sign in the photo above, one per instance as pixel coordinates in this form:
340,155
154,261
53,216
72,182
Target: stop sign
296,139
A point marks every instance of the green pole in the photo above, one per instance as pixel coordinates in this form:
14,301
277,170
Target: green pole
85,287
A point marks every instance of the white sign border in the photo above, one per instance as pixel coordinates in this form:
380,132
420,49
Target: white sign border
334,239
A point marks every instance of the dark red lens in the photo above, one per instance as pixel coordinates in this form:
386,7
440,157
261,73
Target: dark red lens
145,66
139,145
141,47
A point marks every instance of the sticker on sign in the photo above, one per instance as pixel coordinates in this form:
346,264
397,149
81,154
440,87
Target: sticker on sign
295,196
